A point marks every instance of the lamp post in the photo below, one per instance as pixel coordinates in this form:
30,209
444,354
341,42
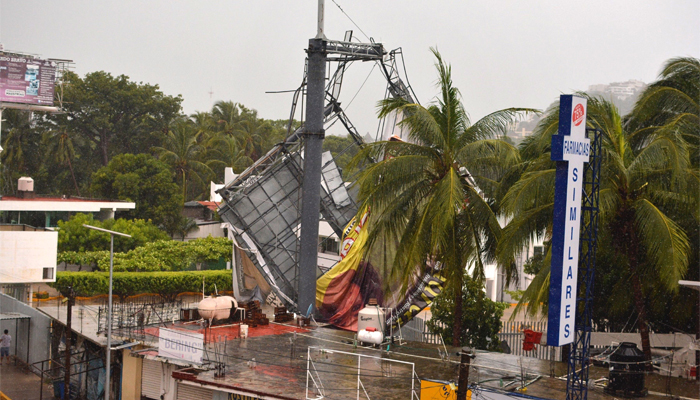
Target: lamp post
109,302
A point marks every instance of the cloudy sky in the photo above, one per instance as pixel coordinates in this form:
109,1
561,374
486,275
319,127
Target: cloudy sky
503,53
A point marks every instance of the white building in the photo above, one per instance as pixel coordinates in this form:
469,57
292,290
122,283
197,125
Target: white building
28,253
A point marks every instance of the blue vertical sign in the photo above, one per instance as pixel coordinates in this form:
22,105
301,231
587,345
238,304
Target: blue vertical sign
570,148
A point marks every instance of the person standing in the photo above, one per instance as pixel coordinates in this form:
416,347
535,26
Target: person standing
5,343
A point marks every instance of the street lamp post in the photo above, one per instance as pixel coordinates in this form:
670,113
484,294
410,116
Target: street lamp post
109,303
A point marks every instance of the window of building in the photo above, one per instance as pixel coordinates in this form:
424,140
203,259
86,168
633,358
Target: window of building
328,245
538,251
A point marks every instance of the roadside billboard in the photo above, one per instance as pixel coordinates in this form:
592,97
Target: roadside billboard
26,80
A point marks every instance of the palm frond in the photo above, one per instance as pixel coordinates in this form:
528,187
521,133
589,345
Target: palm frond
667,246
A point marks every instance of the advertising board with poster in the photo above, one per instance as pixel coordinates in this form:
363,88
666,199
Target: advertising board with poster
26,80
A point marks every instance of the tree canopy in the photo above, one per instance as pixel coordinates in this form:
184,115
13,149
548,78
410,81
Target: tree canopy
114,114
143,180
73,236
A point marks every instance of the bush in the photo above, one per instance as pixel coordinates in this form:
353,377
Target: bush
125,284
481,317
85,258
169,255
162,255
73,236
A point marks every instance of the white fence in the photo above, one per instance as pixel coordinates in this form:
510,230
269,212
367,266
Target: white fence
512,333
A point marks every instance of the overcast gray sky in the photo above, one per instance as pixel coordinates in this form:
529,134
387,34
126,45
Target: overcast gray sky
503,53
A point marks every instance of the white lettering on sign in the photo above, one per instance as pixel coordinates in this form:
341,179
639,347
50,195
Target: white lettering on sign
572,149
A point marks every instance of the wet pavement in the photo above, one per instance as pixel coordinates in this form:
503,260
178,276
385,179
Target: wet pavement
277,365
17,383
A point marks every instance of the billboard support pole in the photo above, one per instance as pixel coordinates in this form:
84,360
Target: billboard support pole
311,183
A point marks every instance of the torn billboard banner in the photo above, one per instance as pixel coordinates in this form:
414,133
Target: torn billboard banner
347,287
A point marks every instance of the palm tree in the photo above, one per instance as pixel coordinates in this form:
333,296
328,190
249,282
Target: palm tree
20,142
428,194
60,145
671,104
640,188
182,152
255,135
226,152
226,114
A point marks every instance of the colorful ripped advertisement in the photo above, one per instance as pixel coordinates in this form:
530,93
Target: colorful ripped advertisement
347,287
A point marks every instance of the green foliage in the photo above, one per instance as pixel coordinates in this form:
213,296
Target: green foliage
82,283
170,255
343,149
182,151
432,195
534,264
481,319
124,284
143,180
74,237
82,258
114,114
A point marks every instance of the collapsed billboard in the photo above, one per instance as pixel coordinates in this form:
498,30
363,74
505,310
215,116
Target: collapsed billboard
26,80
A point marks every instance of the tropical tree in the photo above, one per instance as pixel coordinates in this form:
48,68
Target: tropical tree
60,145
641,189
432,193
182,151
20,142
670,104
227,114
481,320
115,114
144,180
256,135
226,152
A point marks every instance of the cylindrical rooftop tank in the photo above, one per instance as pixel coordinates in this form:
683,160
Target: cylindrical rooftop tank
627,371
217,307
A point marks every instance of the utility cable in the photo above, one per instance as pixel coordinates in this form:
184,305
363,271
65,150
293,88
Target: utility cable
361,86
353,22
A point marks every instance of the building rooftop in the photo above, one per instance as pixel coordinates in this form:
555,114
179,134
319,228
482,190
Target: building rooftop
71,204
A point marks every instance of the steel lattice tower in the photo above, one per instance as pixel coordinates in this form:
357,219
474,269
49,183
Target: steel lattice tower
577,377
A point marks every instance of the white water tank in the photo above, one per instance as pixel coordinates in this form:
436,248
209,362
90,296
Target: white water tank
217,307
371,317
374,337
25,184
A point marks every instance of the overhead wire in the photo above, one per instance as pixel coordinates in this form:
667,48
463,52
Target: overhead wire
351,20
361,86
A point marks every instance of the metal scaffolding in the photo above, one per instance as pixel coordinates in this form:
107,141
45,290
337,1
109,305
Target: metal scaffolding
263,204
577,378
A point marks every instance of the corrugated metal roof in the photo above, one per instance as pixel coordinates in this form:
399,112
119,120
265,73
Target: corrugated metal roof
13,315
